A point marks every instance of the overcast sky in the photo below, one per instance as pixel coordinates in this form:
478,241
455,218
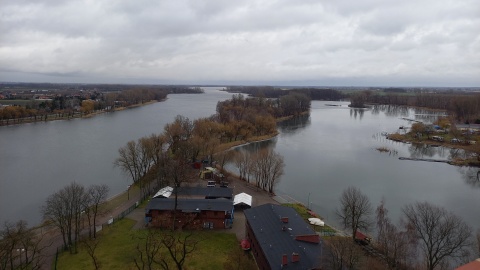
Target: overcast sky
290,42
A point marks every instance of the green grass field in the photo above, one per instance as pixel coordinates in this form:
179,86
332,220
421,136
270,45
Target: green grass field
117,243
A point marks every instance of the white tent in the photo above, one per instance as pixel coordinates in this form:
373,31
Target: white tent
242,198
164,192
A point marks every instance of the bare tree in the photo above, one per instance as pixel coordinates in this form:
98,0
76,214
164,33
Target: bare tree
391,242
342,253
441,234
181,129
161,248
241,160
175,171
355,210
138,158
128,161
267,168
179,246
95,195
64,209
91,246
20,247
147,253
223,158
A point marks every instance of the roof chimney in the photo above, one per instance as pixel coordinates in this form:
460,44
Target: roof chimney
284,219
284,259
295,257
309,238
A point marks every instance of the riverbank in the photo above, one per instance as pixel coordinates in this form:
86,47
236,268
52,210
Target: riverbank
472,161
68,116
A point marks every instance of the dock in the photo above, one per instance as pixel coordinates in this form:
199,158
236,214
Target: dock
426,159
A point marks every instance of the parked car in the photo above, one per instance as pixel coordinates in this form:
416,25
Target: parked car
455,140
211,184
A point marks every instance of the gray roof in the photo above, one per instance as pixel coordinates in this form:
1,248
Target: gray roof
265,221
190,205
207,192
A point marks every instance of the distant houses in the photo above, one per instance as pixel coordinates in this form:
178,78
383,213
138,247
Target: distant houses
280,238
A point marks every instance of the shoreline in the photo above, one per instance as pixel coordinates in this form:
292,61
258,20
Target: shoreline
471,162
52,117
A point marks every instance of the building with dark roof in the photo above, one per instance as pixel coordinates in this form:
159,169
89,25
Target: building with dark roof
281,239
196,208
196,192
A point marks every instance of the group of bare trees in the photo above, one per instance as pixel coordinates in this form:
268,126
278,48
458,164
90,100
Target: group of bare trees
164,248
429,237
264,167
20,247
245,117
71,207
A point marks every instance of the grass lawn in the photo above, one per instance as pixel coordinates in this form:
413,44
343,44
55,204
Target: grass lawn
303,212
117,245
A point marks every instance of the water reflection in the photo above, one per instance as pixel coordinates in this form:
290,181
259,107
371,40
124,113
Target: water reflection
428,116
420,150
419,114
471,176
290,126
357,112
391,110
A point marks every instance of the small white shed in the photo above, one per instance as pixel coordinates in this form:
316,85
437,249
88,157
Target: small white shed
242,200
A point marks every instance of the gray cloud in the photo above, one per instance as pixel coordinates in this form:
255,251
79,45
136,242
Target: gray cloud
367,41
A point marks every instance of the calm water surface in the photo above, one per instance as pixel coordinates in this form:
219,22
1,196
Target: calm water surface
335,147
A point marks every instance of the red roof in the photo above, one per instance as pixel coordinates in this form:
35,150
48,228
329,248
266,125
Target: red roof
310,238
360,236
475,265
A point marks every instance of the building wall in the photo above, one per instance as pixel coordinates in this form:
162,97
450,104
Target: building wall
205,219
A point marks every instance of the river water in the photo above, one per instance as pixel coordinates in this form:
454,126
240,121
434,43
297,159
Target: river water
40,158
335,147
332,148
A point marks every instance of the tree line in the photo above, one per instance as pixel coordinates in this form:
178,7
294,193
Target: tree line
272,92
465,106
428,236
263,167
69,105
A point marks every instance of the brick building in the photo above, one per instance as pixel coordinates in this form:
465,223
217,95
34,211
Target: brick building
197,208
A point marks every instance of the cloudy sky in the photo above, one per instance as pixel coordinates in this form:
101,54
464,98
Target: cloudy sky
301,42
